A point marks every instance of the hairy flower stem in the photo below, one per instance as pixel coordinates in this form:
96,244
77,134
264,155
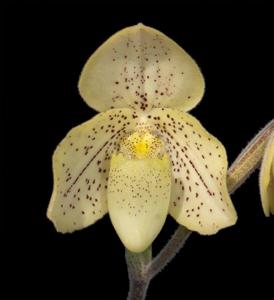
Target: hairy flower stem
142,268
249,159
169,251
137,264
138,289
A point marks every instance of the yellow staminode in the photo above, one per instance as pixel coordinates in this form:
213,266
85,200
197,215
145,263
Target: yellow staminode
141,145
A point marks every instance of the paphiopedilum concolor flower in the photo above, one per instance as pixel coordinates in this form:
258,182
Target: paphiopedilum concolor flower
143,156
266,178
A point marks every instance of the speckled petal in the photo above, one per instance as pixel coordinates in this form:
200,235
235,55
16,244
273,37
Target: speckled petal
138,199
81,167
266,178
199,199
141,68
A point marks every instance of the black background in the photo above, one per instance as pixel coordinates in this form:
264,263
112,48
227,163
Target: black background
45,45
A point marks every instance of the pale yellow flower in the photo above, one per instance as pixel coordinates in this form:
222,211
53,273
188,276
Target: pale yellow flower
143,156
266,179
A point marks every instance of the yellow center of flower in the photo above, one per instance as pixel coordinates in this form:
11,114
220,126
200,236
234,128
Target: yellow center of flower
141,145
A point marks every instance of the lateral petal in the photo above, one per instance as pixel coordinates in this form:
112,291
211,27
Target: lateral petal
81,167
199,199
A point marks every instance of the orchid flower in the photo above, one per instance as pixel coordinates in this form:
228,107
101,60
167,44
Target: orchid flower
266,179
143,156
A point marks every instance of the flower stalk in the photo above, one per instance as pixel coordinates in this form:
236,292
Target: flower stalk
249,159
137,264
